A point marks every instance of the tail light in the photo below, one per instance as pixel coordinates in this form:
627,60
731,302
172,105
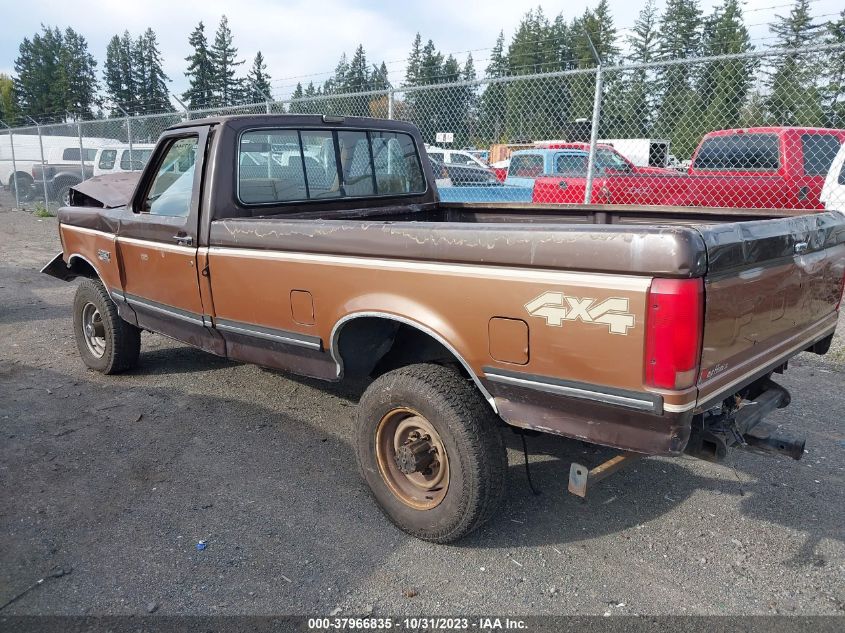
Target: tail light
674,327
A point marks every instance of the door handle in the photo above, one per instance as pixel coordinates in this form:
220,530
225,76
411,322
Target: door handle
183,240
562,185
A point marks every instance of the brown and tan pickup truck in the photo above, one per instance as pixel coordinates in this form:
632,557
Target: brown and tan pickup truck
318,245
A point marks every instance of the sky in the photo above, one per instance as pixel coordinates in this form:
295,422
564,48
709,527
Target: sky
302,40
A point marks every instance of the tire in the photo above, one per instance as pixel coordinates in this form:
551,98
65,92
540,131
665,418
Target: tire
465,429
114,345
26,187
62,194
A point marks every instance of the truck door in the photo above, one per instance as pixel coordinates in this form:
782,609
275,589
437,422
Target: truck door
157,241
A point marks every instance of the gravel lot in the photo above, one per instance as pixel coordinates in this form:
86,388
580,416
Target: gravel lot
115,479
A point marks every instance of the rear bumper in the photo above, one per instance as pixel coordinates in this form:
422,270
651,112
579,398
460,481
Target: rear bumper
624,427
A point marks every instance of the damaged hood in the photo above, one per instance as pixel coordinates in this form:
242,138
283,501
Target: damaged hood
108,191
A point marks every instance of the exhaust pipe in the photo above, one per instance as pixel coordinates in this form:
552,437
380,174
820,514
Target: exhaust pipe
764,439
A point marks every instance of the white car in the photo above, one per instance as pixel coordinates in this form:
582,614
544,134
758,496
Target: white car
115,159
455,157
833,191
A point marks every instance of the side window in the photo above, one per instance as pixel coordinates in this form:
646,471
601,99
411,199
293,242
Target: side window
526,166
819,151
139,158
461,159
172,188
70,153
107,158
90,155
841,179
571,164
357,164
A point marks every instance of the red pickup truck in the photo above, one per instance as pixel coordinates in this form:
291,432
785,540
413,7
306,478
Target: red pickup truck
762,168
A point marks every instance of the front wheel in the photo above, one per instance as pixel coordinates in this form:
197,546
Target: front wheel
430,449
106,343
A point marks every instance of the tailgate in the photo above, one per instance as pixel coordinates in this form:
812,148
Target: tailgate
771,291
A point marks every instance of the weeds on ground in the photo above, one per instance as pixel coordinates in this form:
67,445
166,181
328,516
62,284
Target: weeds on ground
41,211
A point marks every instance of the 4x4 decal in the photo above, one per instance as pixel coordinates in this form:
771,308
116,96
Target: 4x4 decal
557,307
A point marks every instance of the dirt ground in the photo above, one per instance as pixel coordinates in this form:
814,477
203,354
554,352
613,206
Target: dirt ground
116,479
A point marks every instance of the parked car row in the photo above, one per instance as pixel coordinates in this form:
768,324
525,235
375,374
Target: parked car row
65,163
760,168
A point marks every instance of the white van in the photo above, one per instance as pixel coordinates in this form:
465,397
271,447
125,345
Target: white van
833,190
120,158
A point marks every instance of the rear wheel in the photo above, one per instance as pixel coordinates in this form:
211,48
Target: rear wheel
25,186
63,193
431,451
106,343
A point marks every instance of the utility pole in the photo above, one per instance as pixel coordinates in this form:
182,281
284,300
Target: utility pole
594,131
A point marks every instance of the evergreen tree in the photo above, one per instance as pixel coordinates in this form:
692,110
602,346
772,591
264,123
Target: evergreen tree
200,73
77,76
115,83
38,67
379,80
640,100
151,82
412,71
258,81
724,85
223,55
8,100
679,37
834,90
794,98
128,59
493,101
358,74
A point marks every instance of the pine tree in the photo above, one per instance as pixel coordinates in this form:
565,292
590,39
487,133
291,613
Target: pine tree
152,95
679,38
77,76
379,80
639,100
224,63
470,100
358,74
493,102
129,71
794,98
38,67
200,73
258,81
412,72
834,101
724,85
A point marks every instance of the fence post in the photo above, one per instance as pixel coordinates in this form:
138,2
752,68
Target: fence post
128,133
81,151
14,165
594,136
43,164
391,97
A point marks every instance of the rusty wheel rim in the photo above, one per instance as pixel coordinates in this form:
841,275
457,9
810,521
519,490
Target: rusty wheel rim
404,432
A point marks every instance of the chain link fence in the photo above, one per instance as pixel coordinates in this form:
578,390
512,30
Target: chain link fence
756,130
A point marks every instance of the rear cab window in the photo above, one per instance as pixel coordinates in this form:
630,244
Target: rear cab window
739,152
526,166
300,165
818,151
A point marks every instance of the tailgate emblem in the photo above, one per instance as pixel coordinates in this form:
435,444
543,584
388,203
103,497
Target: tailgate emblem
556,307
